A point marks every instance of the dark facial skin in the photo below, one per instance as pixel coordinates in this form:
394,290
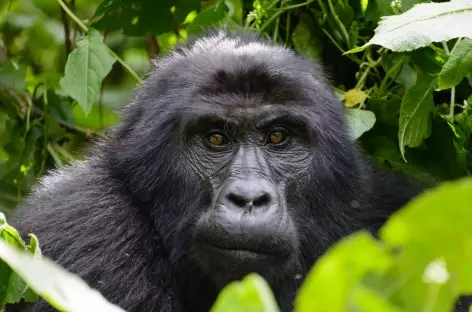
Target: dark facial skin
248,160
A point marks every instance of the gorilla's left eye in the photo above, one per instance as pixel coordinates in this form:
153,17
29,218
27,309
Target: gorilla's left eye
277,137
216,139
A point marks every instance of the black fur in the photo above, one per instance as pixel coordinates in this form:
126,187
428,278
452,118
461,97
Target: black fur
121,219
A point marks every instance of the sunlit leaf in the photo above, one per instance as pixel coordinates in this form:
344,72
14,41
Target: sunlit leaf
86,67
63,290
423,24
251,294
12,287
329,285
433,239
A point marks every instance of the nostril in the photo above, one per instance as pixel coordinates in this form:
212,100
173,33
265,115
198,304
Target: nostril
238,200
262,200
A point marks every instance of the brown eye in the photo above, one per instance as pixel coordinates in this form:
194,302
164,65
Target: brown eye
216,139
277,137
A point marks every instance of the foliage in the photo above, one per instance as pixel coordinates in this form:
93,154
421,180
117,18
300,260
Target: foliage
12,287
66,67
402,69
63,290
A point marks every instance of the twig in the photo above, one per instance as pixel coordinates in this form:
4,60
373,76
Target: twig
65,23
152,45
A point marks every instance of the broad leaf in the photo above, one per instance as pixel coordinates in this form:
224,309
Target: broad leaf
415,113
433,240
457,67
423,24
12,287
329,285
86,67
359,121
251,294
63,290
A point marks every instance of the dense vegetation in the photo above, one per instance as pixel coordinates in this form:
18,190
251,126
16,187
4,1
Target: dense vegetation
403,71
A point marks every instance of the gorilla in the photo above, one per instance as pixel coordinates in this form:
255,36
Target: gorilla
233,157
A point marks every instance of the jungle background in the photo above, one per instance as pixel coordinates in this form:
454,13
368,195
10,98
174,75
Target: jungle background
68,66
48,115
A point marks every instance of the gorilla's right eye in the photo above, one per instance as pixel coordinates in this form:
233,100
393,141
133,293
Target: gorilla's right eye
216,139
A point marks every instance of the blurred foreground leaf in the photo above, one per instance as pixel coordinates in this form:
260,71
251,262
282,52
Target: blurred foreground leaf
251,294
63,290
12,286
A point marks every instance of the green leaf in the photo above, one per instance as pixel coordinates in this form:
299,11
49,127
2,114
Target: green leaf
86,67
330,283
458,66
12,287
415,113
423,24
251,294
63,290
433,231
359,121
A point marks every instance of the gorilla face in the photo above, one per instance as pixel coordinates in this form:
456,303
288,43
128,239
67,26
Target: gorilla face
239,152
248,156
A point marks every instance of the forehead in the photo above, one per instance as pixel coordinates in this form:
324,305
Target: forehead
243,70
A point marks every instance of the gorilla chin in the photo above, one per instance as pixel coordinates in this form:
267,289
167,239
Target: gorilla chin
233,157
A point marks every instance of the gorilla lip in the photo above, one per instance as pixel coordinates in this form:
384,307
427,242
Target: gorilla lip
240,252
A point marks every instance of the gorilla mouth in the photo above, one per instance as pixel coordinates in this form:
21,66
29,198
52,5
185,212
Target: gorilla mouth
241,249
241,252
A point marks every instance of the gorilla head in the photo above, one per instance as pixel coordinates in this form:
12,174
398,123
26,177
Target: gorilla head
238,150
234,157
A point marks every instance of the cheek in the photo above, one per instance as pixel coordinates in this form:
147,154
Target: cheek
204,163
290,164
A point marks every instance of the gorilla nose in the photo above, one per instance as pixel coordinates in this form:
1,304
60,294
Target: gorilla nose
250,194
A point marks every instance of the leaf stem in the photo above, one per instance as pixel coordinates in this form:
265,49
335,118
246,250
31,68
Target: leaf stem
361,82
452,104
54,155
85,30
455,45
280,11
349,56
340,24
